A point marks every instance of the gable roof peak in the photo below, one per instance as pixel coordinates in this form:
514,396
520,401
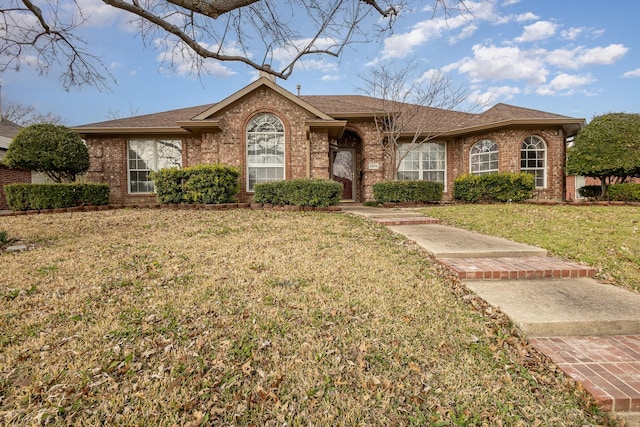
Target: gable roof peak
272,85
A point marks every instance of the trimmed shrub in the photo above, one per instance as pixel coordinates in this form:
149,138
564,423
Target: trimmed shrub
408,191
590,191
624,192
467,188
207,184
299,192
508,187
499,187
22,197
54,150
168,184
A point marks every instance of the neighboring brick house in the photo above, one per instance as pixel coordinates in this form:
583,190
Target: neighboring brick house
8,130
272,134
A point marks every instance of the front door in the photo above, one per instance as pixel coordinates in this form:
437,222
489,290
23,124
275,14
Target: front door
343,170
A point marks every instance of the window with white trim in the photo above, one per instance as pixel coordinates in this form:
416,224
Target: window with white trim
533,159
265,150
426,161
146,155
483,158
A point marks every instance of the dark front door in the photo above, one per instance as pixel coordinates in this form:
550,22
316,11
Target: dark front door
343,170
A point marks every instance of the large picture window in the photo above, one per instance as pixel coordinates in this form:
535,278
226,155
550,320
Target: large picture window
533,159
265,150
483,158
146,155
424,162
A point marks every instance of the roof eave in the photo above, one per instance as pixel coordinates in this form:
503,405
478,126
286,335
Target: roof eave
335,128
200,125
565,123
172,130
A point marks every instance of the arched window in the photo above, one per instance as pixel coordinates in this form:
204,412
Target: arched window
533,159
265,150
483,158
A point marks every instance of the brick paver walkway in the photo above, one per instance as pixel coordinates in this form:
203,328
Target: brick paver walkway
536,267
607,367
406,221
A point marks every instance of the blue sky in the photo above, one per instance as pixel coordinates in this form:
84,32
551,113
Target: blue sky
579,58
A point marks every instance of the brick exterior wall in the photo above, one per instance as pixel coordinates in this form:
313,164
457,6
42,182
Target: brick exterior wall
509,143
11,176
307,151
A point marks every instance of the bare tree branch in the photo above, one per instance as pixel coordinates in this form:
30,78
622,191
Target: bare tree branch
212,9
412,107
267,35
26,115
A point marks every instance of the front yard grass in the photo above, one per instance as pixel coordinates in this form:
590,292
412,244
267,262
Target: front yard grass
605,237
159,317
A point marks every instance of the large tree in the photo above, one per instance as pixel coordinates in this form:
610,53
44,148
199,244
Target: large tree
412,105
26,115
608,148
254,32
54,150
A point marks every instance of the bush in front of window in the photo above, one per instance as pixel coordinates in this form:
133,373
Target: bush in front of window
467,188
495,187
508,186
208,184
414,191
299,192
590,191
626,192
23,197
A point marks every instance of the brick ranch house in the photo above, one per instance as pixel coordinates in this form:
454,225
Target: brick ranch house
272,134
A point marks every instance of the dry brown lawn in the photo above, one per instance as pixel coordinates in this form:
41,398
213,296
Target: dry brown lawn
161,318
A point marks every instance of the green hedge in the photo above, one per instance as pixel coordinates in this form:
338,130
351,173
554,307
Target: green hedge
299,192
408,191
590,191
624,192
23,197
495,187
468,188
207,184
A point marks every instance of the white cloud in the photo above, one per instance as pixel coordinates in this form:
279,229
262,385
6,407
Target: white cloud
565,84
318,65
538,31
181,60
492,95
528,16
502,63
330,78
400,45
100,14
632,73
572,33
464,34
581,57
285,55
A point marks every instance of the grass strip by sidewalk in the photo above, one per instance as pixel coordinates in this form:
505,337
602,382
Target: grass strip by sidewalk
157,317
605,237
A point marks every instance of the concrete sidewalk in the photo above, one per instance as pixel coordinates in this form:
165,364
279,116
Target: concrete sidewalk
589,329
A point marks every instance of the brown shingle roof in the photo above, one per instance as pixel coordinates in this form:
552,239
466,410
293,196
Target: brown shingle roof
8,128
163,119
350,106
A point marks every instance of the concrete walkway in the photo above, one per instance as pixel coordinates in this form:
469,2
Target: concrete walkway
589,329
